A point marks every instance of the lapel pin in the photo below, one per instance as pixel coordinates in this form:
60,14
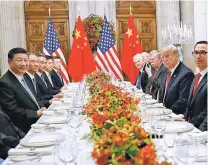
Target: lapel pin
174,76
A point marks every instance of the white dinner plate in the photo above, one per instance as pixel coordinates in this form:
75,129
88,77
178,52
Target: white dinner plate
31,163
178,126
151,101
156,111
20,158
42,139
59,107
53,120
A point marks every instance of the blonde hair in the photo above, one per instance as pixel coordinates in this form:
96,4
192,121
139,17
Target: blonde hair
170,48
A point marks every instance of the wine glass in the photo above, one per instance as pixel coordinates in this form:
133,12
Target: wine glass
74,124
67,153
192,150
158,124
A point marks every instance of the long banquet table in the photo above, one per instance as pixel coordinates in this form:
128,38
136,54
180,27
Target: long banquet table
84,145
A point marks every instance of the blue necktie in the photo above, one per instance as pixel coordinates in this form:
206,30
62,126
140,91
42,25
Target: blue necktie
29,92
138,83
34,83
60,76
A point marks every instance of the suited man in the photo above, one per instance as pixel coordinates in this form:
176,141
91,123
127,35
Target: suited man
6,143
46,74
9,134
196,111
154,76
55,74
32,80
7,127
141,81
16,99
175,81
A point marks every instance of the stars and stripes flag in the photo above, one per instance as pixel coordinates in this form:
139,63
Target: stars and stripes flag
52,48
107,55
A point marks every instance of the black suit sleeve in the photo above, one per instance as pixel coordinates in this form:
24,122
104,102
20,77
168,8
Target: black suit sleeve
199,119
150,81
180,105
10,106
203,125
7,142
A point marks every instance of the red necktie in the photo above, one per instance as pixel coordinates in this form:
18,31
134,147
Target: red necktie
155,74
196,83
166,84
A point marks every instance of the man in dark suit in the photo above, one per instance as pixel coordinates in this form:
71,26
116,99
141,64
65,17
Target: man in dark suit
31,80
16,99
55,74
142,79
154,76
175,81
9,134
196,111
7,127
46,75
7,142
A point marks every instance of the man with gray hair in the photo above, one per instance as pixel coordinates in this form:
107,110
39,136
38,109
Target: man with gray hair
141,81
154,74
175,81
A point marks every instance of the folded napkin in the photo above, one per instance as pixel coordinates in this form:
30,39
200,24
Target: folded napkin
41,126
175,117
27,151
43,139
55,113
157,105
53,120
201,137
148,101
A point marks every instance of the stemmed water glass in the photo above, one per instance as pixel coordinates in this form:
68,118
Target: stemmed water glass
191,150
74,124
158,124
67,153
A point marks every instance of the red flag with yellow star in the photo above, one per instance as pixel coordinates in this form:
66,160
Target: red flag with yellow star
81,60
131,47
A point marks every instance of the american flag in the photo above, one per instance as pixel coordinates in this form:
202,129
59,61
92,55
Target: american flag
52,47
107,55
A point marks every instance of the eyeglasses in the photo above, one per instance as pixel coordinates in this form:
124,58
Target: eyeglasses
195,53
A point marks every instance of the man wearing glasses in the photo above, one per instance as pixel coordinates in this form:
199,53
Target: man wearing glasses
154,76
196,111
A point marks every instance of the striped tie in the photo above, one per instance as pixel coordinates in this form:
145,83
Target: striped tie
29,92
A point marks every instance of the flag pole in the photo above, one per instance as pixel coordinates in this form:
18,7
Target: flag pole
130,9
49,12
104,12
78,10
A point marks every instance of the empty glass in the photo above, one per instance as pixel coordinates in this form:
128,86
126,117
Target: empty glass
67,153
158,124
191,151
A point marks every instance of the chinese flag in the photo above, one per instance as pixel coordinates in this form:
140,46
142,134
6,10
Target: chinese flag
81,60
131,47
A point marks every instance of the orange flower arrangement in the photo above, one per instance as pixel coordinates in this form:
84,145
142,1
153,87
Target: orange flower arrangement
119,138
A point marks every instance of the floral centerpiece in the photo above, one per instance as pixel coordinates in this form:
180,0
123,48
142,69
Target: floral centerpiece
93,28
118,136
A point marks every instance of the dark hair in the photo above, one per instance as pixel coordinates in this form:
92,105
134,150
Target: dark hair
200,42
14,51
49,57
56,57
40,55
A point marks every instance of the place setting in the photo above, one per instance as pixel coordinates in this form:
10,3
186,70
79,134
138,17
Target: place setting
42,139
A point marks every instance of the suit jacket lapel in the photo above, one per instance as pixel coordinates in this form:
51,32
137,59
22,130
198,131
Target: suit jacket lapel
191,91
201,84
21,87
41,81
